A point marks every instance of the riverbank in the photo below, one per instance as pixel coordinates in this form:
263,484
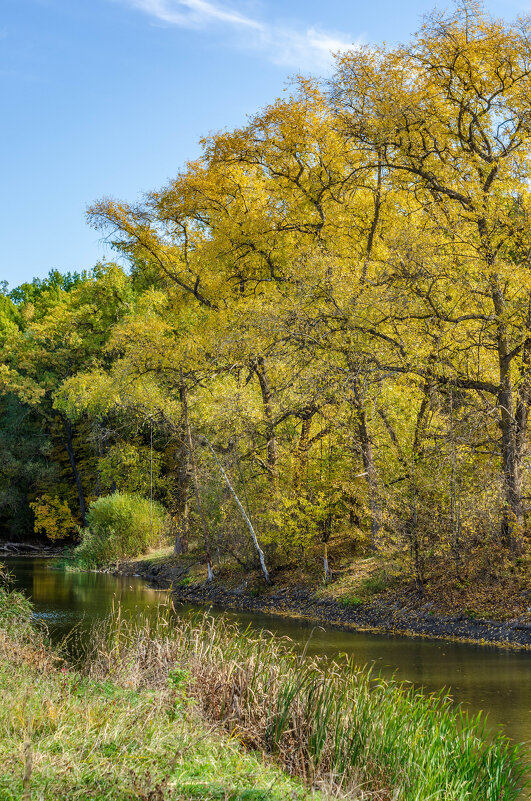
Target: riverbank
403,611
8,549
103,735
193,708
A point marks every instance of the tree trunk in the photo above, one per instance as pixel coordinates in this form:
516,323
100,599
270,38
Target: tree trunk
182,531
259,367
248,523
521,417
301,453
371,476
326,568
416,453
513,430
455,497
71,456
182,499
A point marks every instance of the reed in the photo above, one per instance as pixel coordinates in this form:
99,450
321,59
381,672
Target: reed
324,721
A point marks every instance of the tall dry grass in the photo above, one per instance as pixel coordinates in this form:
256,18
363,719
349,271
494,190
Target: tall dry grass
324,721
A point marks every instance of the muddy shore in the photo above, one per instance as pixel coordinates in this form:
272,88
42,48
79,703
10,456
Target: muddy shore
399,613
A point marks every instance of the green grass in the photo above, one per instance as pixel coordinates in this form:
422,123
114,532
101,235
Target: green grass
144,719
104,741
351,601
376,583
109,735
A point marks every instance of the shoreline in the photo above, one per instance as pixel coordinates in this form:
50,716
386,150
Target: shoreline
400,614
385,615
38,550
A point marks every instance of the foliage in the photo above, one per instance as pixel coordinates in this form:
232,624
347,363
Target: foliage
53,517
25,464
130,468
335,296
118,526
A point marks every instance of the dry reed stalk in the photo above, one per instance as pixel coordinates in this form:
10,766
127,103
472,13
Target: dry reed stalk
319,719
28,770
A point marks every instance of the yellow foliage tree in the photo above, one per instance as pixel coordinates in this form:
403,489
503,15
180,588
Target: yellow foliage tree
53,517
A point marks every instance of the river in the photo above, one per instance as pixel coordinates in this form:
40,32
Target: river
489,678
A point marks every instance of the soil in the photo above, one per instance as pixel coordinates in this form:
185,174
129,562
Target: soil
405,611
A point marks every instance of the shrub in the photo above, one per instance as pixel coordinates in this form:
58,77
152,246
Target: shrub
15,609
120,525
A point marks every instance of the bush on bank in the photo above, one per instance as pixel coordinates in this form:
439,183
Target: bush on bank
119,526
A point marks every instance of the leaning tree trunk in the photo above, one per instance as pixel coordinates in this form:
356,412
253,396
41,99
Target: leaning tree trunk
261,557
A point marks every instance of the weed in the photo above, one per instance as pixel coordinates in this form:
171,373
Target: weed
178,678
376,582
353,601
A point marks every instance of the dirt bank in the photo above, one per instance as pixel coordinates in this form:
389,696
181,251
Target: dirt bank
403,612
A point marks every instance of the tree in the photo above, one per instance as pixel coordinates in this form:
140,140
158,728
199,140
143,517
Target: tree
64,331
448,118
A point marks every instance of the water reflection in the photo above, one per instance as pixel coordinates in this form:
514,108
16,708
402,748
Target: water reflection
67,601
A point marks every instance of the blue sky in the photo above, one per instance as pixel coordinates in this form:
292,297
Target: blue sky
110,97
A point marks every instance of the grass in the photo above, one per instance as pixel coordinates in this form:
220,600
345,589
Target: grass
354,601
109,735
323,721
15,610
76,737
361,578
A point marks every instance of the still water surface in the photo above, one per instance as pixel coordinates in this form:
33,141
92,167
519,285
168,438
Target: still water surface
492,679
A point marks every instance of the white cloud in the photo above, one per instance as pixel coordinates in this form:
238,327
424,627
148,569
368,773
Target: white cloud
304,49
300,48
193,13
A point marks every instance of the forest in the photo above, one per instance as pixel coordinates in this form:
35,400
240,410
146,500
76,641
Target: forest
315,342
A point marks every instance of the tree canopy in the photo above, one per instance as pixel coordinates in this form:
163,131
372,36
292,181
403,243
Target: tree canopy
332,305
